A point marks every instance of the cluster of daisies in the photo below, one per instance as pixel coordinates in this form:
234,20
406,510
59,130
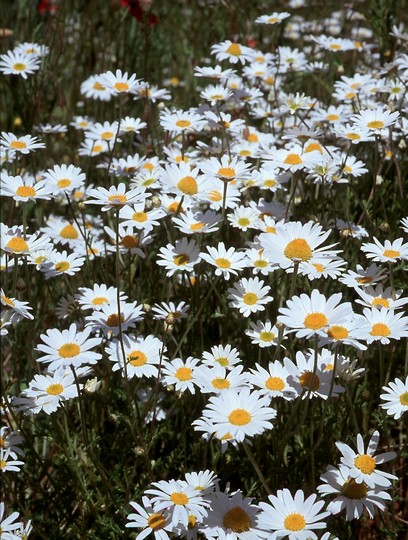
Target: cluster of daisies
197,505
223,173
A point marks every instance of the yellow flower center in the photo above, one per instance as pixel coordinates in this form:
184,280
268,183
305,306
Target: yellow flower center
156,521
334,46
137,358
69,232
179,498
309,380
337,332
226,172
7,301
391,253
315,321
404,399
97,148
183,123
269,183
273,20
192,520
197,226
239,417
352,490
375,124
250,298
366,464
184,374
350,95
97,86
293,159
220,384
55,389
107,135
294,522
117,199
332,117
215,196
380,329
222,360
99,300
266,336
188,185
18,145
140,217
274,383
364,280
62,266
353,136
129,241
25,191
64,182
243,222
237,520
261,263
319,267
69,350
380,302
312,147
19,66
181,259
234,49
222,263
17,244
298,249
113,320
121,87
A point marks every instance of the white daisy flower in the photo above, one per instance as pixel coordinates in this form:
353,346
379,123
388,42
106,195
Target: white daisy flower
383,325
273,381
24,144
183,256
239,414
350,496
390,252
62,263
107,318
232,517
296,243
249,296
177,500
263,334
364,277
227,262
18,63
68,348
314,314
98,296
180,373
226,356
49,391
396,398
363,463
233,52
217,379
311,379
150,521
292,517
142,355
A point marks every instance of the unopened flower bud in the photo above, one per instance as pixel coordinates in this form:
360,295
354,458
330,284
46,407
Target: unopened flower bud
92,385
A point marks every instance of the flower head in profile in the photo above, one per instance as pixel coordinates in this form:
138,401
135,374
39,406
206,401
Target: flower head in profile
18,63
395,398
24,144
